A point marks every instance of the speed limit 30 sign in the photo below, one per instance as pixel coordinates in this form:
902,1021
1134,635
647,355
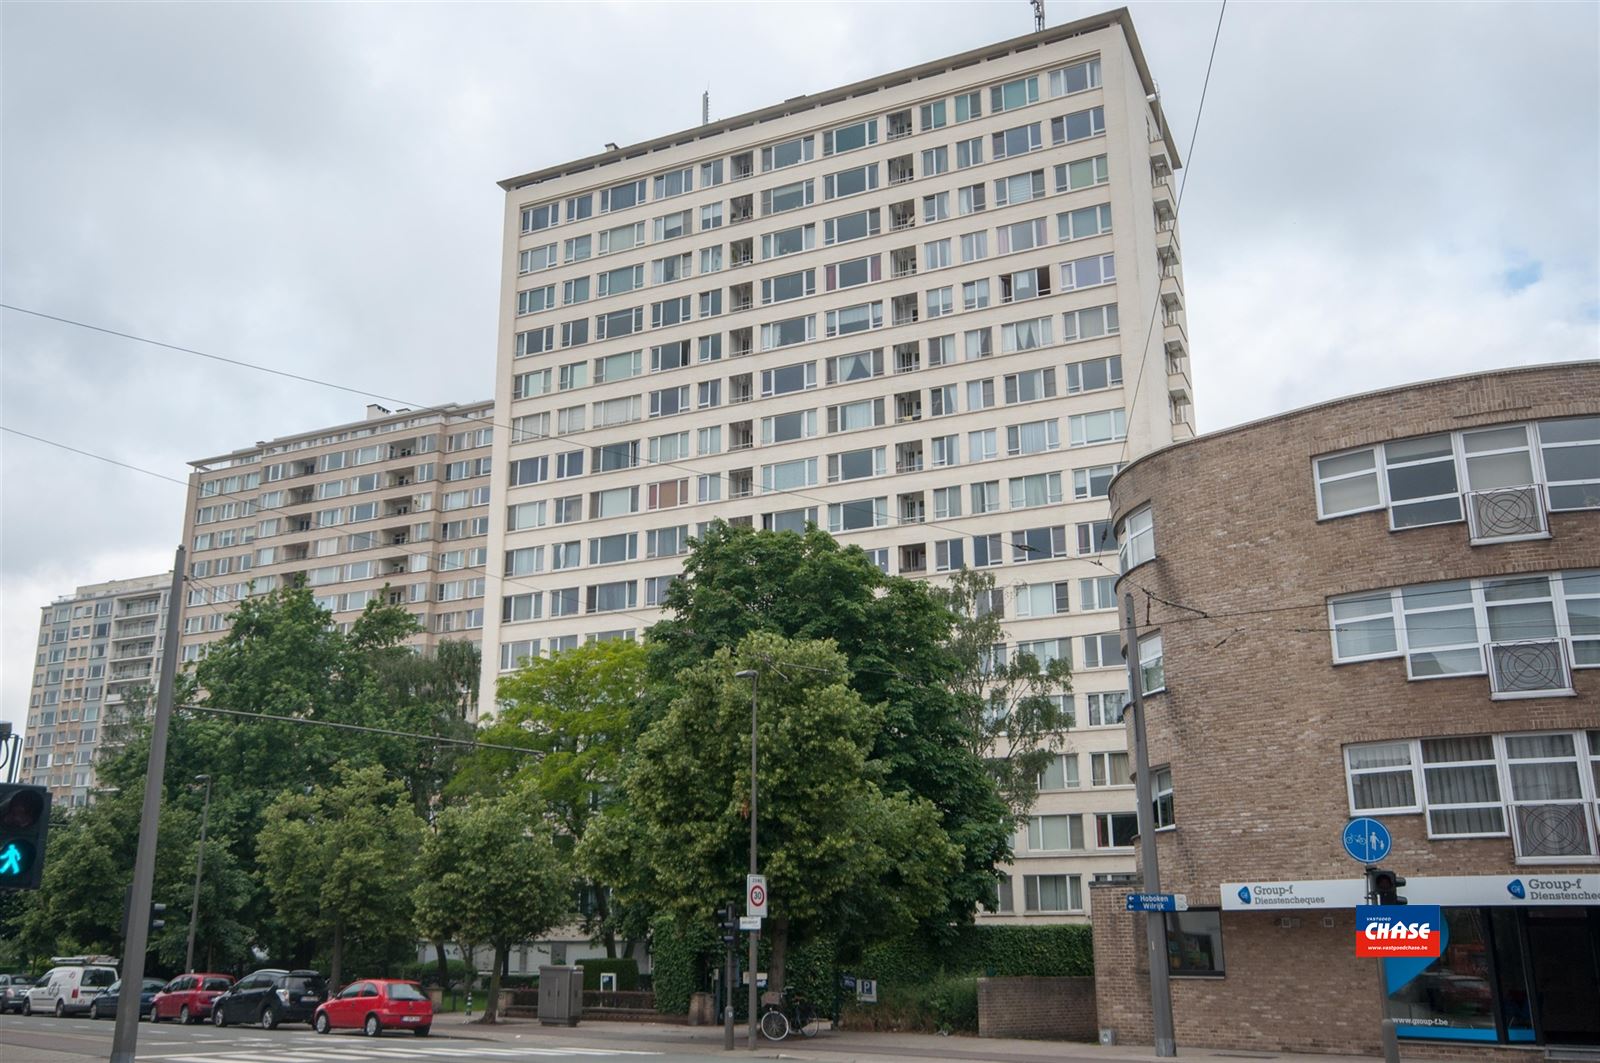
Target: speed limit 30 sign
755,895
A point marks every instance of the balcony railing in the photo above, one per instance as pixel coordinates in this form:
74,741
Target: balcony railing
1506,514
1529,668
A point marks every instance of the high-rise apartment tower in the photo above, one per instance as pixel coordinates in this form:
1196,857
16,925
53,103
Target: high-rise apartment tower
930,312
99,653
391,508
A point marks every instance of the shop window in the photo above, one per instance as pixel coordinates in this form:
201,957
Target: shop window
1194,943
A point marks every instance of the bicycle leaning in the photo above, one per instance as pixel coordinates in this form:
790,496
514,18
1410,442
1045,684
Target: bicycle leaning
779,1021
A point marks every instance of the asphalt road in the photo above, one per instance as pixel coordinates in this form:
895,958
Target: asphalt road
40,1039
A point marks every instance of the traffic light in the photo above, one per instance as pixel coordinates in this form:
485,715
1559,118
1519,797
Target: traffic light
1384,885
24,824
156,912
728,923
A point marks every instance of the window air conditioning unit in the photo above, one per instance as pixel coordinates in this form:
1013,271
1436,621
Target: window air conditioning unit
1529,668
1506,514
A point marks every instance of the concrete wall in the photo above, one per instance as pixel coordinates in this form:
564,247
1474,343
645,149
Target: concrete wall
1055,1008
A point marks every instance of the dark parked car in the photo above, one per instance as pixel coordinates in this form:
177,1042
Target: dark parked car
269,997
11,990
104,1006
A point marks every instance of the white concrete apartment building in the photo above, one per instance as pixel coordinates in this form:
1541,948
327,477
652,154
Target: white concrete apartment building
914,310
395,507
95,646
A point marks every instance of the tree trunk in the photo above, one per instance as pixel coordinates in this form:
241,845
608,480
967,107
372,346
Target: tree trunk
779,955
337,963
502,956
444,965
608,933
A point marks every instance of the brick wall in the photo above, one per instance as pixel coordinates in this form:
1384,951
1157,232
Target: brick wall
1255,715
1053,1008
1293,983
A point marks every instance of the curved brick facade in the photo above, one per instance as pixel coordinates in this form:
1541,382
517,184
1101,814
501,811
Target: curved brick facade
1255,715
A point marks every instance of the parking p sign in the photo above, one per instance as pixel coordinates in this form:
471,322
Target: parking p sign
755,895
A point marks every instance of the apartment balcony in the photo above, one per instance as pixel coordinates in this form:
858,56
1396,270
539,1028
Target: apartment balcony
1178,385
141,609
1165,201
1173,334
143,651
133,631
1168,247
1171,293
1160,164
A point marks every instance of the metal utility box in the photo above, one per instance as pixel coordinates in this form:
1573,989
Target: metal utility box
560,996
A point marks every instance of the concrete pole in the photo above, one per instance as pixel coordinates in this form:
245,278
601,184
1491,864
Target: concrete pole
199,864
1155,922
124,1039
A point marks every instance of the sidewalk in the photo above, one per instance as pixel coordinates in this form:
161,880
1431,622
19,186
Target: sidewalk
847,1045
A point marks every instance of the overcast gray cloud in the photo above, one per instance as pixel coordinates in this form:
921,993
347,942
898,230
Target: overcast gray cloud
1380,193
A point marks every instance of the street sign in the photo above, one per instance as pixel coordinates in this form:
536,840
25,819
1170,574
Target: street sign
867,990
1157,902
1399,930
1366,840
749,922
755,895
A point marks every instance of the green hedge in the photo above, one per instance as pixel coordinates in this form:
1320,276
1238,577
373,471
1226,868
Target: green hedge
931,979
627,972
1005,951
680,958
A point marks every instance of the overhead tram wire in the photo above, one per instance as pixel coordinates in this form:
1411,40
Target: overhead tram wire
722,477
643,618
1177,210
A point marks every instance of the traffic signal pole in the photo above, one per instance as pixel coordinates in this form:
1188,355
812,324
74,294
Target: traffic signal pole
124,1040
1382,891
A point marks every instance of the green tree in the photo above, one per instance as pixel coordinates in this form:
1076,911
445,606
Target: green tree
338,860
838,851
894,634
491,872
574,713
1012,718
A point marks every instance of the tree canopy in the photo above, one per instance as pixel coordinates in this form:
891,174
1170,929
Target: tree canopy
894,634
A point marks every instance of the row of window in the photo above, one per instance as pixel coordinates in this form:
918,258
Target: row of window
1522,629
1017,286
976,294
1421,480
1026,438
1541,789
840,140
1093,374
1060,835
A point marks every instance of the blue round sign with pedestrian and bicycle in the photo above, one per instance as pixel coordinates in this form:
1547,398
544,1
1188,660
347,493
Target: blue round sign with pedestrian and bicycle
1366,840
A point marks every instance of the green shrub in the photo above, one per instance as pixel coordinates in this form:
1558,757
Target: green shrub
681,958
953,1003
627,972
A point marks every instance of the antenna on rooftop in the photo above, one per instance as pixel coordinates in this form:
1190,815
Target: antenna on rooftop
705,107
1038,15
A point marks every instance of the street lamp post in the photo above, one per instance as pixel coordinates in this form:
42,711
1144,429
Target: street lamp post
753,676
199,863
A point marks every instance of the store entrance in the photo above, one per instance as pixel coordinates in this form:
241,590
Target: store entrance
1564,952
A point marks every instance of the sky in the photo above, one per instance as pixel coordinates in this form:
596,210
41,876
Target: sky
1376,194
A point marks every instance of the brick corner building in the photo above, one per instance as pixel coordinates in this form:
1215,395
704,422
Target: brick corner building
915,311
1386,605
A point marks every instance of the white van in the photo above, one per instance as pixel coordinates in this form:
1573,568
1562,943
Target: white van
68,989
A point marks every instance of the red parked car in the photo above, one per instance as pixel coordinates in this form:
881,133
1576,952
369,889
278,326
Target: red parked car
188,997
375,1005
